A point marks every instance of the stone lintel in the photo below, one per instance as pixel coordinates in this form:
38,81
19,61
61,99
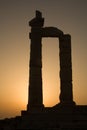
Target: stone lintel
51,32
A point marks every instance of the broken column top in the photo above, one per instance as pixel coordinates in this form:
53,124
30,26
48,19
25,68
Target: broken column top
38,21
38,14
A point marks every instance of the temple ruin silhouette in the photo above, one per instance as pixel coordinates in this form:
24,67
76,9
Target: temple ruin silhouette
38,32
65,115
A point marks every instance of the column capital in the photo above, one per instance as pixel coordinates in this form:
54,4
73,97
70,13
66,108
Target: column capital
38,21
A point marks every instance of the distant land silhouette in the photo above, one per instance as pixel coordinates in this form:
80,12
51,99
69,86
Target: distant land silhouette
65,115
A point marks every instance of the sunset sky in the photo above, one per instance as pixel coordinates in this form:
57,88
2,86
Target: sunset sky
68,15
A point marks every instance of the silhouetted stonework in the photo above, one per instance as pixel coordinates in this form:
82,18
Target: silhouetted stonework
35,81
65,115
66,94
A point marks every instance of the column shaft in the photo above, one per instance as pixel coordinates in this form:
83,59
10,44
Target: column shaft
35,80
66,94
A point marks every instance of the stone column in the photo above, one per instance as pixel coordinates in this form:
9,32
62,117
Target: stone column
35,99
66,94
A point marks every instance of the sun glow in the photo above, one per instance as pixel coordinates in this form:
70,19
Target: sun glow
50,74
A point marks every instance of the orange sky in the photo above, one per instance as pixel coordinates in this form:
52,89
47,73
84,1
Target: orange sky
70,17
